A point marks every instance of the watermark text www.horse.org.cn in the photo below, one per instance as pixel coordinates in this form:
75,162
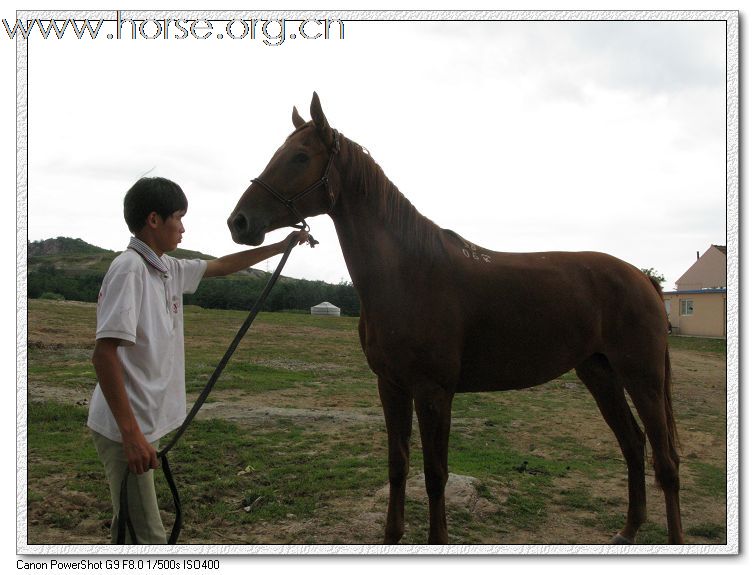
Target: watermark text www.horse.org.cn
271,32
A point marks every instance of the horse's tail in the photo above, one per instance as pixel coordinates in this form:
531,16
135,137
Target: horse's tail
659,289
673,435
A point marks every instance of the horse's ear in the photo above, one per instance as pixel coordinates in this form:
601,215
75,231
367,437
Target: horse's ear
318,117
297,119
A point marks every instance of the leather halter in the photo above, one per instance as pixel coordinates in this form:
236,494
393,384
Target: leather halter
323,181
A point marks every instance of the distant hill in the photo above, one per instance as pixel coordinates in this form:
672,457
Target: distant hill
62,246
72,255
76,254
72,269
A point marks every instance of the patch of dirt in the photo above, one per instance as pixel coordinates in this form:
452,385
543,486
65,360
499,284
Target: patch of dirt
297,365
242,413
66,395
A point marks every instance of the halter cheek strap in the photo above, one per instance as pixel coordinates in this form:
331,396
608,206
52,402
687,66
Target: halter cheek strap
290,203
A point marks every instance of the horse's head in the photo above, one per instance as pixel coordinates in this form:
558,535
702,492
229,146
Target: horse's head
294,185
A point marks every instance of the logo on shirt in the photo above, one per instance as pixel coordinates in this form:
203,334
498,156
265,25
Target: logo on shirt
176,305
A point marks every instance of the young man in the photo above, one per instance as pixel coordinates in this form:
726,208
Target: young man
139,350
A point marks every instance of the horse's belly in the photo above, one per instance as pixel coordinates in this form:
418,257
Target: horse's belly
517,364
478,380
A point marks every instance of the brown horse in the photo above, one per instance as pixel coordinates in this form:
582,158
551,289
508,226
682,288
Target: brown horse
441,316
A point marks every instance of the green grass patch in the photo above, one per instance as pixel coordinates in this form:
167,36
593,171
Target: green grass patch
712,531
527,507
652,534
69,367
51,420
59,442
250,378
578,498
710,479
698,344
283,471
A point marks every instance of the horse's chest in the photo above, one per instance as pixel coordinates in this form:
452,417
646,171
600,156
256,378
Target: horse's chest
396,349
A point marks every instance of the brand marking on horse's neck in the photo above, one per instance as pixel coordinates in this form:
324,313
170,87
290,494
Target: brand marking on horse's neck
473,252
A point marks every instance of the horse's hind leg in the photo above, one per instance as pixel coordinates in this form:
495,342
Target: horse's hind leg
601,381
650,395
397,408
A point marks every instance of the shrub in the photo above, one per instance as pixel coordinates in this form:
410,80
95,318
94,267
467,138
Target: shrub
52,295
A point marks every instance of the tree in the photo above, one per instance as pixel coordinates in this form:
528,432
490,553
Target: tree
654,274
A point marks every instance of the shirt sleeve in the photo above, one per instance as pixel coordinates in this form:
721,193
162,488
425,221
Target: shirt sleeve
189,273
118,306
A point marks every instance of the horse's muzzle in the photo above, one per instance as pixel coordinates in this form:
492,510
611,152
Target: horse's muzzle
244,230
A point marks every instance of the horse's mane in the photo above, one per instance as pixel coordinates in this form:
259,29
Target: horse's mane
362,175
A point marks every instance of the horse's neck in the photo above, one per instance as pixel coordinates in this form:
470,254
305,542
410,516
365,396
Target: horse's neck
381,233
368,247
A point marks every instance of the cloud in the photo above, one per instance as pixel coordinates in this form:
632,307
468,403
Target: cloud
652,57
518,135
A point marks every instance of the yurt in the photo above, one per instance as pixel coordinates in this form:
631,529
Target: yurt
325,308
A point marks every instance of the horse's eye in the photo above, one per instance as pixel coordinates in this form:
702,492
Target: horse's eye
300,158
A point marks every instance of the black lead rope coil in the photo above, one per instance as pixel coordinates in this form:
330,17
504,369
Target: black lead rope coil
123,519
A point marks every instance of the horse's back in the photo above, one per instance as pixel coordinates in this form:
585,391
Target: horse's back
529,317
587,276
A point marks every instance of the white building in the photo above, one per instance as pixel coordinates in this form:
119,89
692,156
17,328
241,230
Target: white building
325,308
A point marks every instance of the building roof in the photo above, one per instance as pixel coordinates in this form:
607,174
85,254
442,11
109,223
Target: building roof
325,305
708,271
694,291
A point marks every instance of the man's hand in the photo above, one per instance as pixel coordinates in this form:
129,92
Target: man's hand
301,236
140,454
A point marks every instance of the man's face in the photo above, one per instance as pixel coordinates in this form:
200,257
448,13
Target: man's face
169,231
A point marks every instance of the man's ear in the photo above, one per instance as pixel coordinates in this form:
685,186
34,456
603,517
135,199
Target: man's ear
153,219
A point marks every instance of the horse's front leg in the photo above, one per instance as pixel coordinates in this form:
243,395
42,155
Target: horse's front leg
433,406
397,408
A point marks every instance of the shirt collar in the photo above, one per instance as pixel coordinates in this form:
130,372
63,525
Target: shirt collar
148,254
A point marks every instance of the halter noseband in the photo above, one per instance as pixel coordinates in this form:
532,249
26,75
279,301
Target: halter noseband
323,181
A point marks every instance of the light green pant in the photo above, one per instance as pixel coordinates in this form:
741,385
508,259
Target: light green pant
142,499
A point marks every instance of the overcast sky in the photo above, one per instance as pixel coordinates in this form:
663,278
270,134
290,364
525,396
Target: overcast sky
520,136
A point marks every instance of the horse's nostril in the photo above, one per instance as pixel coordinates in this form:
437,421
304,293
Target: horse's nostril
239,223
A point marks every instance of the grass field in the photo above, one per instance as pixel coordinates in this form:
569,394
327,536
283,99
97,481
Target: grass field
291,447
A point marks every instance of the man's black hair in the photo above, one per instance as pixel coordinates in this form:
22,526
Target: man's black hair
152,195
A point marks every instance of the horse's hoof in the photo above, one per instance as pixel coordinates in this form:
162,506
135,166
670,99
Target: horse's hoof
619,539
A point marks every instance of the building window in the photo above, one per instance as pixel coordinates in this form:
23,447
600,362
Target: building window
686,307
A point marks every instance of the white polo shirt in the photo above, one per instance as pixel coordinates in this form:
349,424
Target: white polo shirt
141,303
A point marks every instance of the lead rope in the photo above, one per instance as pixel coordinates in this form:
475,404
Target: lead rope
123,519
